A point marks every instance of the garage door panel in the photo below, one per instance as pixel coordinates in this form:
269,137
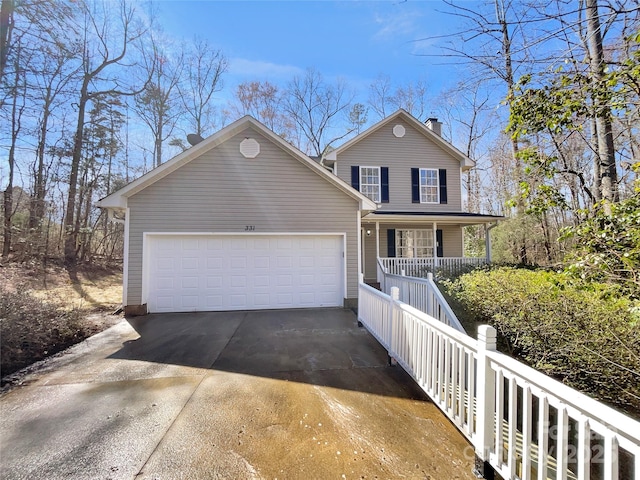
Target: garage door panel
214,281
239,262
243,272
238,301
306,280
261,261
213,302
262,300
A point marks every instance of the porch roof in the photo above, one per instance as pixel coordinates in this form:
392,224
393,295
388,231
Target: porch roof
458,218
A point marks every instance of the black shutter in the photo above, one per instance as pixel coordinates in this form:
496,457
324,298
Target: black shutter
442,173
355,177
439,246
391,243
384,187
415,185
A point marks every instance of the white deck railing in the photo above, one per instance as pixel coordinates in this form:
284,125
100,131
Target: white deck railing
420,293
423,294
419,267
523,423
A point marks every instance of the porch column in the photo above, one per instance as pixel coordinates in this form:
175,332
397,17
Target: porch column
487,242
435,245
377,241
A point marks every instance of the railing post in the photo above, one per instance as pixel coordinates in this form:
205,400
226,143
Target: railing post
394,295
485,397
430,295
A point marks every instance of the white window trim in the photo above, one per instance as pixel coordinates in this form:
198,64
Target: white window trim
437,186
378,199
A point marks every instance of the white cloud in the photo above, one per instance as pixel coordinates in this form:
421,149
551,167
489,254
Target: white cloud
399,24
243,67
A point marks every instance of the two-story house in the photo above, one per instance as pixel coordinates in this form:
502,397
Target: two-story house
414,177
243,220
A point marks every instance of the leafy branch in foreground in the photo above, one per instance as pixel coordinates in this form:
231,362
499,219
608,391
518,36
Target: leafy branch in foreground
607,245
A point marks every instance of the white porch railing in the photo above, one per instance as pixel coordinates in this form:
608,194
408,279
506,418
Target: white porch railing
419,267
420,293
423,294
523,423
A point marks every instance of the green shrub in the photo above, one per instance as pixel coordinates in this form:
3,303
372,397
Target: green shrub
32,329
585,335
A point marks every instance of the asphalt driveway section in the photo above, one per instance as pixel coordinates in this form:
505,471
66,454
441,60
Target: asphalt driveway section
268,394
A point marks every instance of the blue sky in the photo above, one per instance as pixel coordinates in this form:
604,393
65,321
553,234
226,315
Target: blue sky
355,40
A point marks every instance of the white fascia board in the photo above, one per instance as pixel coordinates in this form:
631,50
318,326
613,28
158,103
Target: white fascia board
112,201
417,219
467,164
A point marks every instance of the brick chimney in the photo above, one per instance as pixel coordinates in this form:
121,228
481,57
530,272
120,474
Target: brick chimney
434,125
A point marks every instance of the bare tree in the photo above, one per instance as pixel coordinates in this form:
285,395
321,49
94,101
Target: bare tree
315,107
17,105
51,79
204,68
384,98
412,98
159,105
108,35
380,95
264,102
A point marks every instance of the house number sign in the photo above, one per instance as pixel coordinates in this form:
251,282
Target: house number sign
249,228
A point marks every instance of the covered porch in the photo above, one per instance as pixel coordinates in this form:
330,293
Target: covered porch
417,243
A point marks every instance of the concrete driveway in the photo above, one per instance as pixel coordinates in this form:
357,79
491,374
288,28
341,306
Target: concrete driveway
275,395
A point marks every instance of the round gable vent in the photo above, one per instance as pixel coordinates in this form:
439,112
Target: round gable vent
249,148
399,131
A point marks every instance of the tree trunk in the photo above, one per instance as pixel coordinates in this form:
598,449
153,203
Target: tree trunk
515,148
159,143
6,25
36,209
607,173
8,192
71,233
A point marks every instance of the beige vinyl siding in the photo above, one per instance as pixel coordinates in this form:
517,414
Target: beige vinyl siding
451,239
414,150
221,191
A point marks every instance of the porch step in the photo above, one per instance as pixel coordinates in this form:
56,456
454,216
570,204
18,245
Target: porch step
375,285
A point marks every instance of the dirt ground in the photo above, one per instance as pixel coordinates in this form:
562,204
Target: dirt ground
45,310
93,288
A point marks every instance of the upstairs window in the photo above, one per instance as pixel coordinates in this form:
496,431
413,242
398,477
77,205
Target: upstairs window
429,185
372,182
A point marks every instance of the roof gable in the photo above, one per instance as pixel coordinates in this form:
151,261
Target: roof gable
119,198
465,162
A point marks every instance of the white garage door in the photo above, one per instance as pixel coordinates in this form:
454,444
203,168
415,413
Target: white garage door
186,273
